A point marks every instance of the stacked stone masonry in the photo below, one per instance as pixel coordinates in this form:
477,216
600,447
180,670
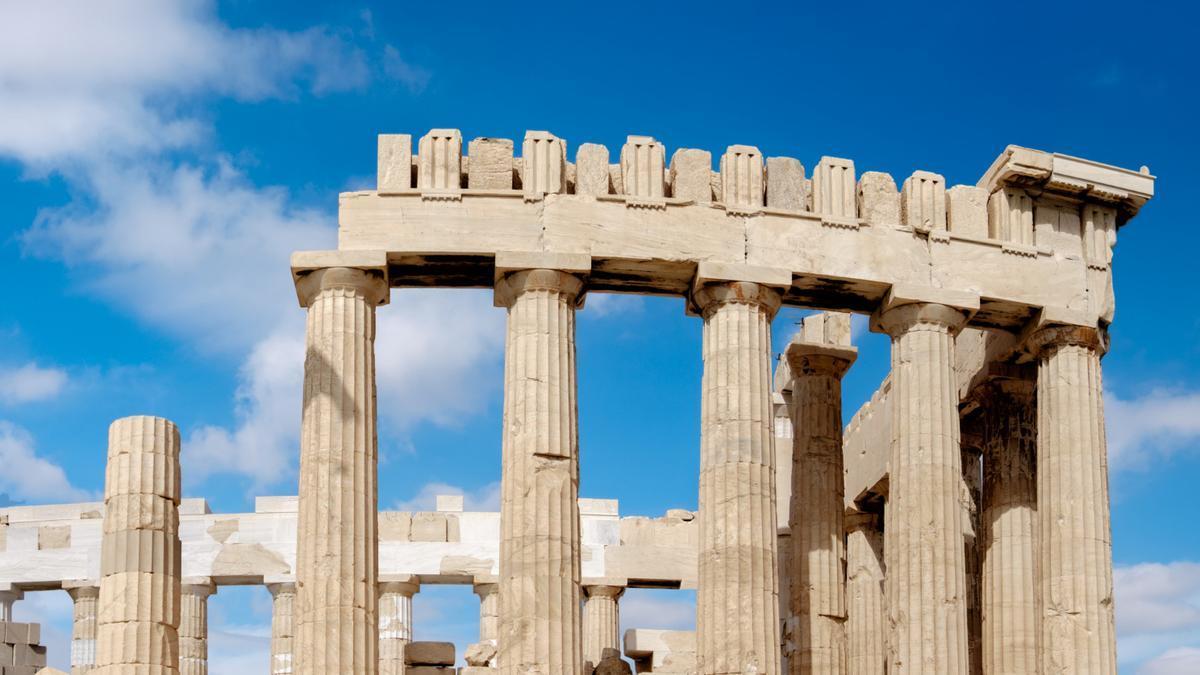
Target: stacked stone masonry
935,534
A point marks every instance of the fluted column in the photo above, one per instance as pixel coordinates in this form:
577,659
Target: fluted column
866,606
8,598
83,629
336,563
283,600
601,621
1074,533
489,611
924,535
737,603
971,497
540,622
1009,529
138,605
193,627
395,623
818,602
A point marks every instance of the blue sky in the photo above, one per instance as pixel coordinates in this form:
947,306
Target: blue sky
160,160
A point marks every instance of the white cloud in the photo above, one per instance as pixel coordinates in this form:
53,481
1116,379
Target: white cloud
30,383
28,477
485,498
81,79
1158,613
1179,661
658,609
1155,425
601,305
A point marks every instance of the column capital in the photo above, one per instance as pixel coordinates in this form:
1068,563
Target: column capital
403,584
905,306
368,282
281,587
1046,339
717,284
199,586
603,590
78,589
486,588
819,358
514,284
862,520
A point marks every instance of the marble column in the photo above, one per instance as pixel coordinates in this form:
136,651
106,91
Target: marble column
927,609
971,496
737,603
818,602
866,606
601,621
489,611
8,598
1074,533
83,629
283,599
138,606
1009,528
193,627
336,625
395,623
540,622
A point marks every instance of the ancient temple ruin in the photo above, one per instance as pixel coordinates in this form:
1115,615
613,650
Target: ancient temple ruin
958,524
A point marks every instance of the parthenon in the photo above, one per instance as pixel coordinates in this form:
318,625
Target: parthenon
959,523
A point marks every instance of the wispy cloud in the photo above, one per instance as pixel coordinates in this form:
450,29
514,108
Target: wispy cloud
1158,424
483,498
29,477
1158,614
30,383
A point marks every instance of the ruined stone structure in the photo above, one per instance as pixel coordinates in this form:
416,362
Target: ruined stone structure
959,525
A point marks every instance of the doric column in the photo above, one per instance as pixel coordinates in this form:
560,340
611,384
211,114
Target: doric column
601,621
818,602
1074,534
866,614
8,597
540,622
336,563
971,496
283,599
395,623
83,630
193,626
924,535
1009,528
737,603
138,606
489,611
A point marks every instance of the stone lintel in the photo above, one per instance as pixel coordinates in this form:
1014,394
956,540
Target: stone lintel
604,581
198,586
709,272
515,261
71,584
900,295
404,584
1054,317
306,262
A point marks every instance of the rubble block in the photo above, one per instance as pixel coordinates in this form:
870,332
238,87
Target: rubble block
20,652
591,170
429,654
690,175
786,185
491,163
395,171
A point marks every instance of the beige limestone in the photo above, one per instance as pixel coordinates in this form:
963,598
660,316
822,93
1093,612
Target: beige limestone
923,533
489,611
662,651
601,620
429,654
395,171
786,186
545,160
970,496
439,160
866,604
816,639
540,622
395,623
138,604
642,167
591,170
282,627
923,201
84,595
193,626
738,558
690,175
1011,216
878,199
336,562
1074,532
966,211
834,191
1009,528
7,598
742,178
491,166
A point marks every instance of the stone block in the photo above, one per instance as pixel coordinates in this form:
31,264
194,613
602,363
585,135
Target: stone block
642,160
1010,216
142,473
834,192
395,526
966,211
545,157
439,160
491,162
54,536
140,551
591,170
395,171
878,199
478,670
614,179
428,527
450,503
786,185
129,597
429,654
742,177
6,652
923,201
430,670
480,653
152,644
690,175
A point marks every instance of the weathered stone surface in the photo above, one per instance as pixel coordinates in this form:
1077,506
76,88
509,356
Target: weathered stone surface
395,623
878,199
966,211
440,160
742,178
786,186
193,627
491,164
923,201
834,191
601,621
480,654
642,160
866,624
429,654
282,627
591,170
691,172
395,171
545,158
